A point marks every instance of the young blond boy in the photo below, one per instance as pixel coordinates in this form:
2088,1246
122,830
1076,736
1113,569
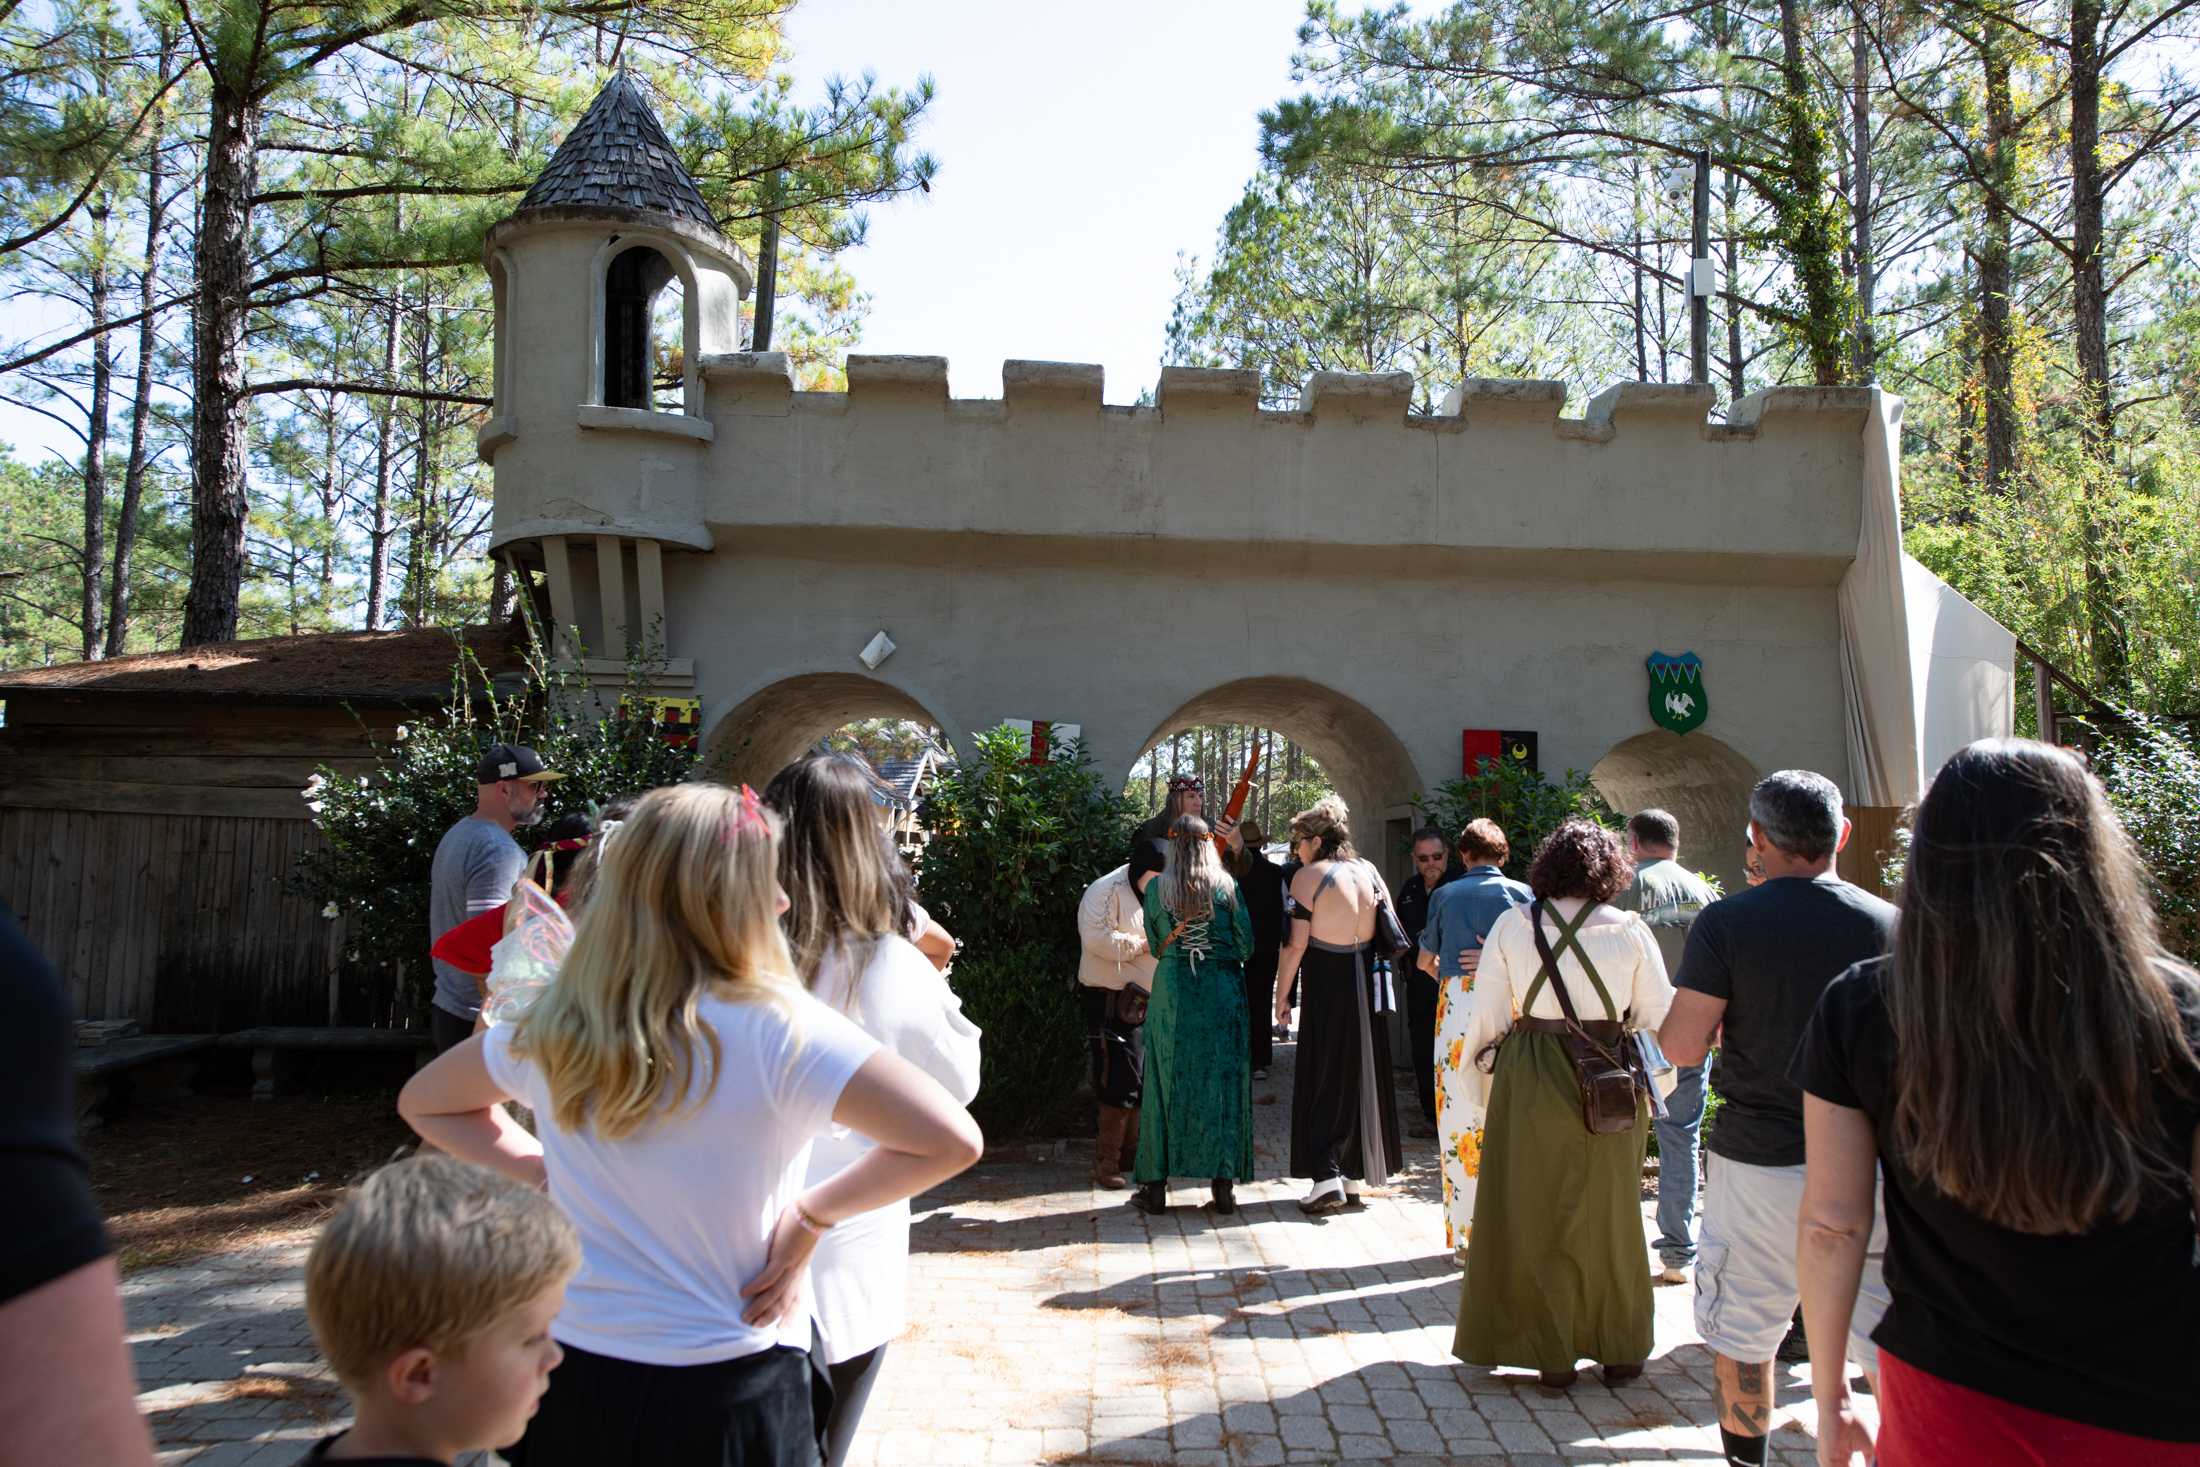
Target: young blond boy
431,1292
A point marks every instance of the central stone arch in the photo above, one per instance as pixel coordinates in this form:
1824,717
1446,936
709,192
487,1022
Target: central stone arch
776,724
1704,783
1356,749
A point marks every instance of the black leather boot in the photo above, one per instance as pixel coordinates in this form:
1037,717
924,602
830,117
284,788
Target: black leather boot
1151,1197
1225,1196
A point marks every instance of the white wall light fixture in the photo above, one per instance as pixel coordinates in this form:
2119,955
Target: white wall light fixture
877,650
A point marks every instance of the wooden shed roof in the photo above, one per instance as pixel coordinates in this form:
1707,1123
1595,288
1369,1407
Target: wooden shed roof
401,669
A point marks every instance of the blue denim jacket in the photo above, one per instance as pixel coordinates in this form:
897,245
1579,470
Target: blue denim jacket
1462,912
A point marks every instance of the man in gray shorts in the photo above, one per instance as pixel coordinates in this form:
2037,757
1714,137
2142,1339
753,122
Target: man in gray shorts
476,863
1750,976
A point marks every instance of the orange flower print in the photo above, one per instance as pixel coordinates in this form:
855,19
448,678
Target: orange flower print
1443,1005
1469,1152
1458,1053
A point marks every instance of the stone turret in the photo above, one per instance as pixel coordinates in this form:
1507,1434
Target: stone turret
612,284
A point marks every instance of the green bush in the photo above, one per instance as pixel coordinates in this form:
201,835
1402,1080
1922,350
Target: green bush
2152,776
1033,1055
1013,846
379,831
1526,804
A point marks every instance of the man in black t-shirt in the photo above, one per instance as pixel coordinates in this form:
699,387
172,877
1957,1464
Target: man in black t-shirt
67,1392
1751,974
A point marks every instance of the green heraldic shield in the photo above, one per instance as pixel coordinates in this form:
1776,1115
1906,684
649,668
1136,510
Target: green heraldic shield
1677,698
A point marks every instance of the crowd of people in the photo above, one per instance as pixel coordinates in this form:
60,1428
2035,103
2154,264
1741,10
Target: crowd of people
1958,1142
697,1057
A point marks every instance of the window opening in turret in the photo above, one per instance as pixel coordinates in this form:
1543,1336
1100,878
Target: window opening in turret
644,333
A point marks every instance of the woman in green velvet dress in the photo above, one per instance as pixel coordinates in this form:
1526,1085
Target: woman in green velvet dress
1198,1115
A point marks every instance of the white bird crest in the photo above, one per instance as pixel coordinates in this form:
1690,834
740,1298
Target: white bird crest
1680,705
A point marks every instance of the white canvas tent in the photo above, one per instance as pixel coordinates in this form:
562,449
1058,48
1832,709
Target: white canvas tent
1927,671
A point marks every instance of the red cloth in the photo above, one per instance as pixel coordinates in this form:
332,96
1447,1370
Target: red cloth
466,946
1925,1421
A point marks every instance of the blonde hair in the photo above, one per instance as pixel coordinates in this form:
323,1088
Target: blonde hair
429,1252
1326,822
1191,871
685,901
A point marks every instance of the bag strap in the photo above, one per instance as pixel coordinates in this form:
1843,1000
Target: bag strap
1549,970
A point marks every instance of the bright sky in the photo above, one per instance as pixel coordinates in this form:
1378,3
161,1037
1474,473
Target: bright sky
1080,148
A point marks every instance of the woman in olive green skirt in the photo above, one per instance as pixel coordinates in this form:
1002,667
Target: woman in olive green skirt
1557,1267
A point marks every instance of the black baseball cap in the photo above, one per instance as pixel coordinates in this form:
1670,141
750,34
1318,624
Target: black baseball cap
513,761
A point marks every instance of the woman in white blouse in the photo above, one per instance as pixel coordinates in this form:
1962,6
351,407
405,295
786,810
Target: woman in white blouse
1558,1270
848,922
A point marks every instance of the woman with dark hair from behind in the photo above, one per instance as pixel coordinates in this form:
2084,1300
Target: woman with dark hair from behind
1558,1270
1197,1116
848,926
1262,882
2024,1071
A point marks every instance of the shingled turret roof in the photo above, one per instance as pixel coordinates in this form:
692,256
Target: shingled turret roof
618,157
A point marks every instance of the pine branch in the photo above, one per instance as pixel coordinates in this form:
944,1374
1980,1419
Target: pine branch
372,389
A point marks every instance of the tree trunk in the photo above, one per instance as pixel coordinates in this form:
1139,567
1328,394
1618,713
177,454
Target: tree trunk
1996,345
141,396
219,507
95,448
378,536
2089,320
1864,365
420,544
1737,369
329,501
1808,226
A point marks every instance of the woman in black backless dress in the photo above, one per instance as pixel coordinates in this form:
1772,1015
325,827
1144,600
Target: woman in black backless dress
1344,1117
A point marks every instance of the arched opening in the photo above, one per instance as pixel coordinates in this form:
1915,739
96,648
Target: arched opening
777,724
1356,750
645,332
1702,782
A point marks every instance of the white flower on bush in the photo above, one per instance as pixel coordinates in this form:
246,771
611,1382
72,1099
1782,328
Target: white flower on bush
401,732
329,910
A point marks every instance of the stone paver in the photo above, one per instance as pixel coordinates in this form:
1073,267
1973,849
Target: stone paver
1054,1324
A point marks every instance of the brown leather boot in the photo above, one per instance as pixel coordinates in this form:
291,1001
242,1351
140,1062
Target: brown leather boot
1107,1171
1130,1138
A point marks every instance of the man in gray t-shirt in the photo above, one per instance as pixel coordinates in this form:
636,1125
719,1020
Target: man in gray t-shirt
1670,897
476,864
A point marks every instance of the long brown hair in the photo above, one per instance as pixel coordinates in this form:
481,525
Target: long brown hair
845,881
2032,1003
1192,876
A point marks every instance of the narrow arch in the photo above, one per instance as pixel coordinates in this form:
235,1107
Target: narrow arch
776,724
500,348
1368,764
635,335
1704,783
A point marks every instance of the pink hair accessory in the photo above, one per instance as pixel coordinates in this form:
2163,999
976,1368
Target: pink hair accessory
745,817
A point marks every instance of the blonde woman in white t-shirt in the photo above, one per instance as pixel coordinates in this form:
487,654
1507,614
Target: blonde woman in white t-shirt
679,1074
849,925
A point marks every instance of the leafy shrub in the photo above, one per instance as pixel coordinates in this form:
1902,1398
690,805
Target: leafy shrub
380,831
1526,804
1033,1054
2152,776
1013,846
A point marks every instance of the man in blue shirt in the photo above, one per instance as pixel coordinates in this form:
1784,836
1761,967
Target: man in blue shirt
1464,910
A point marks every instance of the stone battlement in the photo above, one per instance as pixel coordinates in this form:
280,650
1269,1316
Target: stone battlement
762,384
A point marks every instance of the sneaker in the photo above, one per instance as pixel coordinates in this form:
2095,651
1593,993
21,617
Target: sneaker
1666,1274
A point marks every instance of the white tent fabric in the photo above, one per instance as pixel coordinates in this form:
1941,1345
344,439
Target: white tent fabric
1926,672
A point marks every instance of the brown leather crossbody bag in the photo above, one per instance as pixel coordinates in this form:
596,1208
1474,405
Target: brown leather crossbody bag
1607,1083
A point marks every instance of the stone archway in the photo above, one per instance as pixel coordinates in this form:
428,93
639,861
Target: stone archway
1702,782
774,725
1365,760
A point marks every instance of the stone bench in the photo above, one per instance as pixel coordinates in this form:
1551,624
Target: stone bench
270,1042
144,1065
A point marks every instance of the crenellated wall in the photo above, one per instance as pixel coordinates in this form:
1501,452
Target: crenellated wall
1370,580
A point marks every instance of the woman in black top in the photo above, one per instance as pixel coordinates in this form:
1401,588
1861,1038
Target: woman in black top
2025,1067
